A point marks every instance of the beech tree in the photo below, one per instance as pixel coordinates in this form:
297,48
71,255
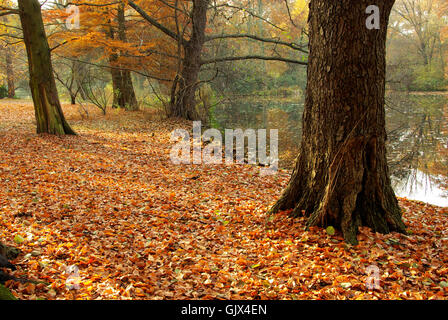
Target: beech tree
104,33
10,73
8,53
124,94
49,115
420,17
173,50
191,40
341,177
185,83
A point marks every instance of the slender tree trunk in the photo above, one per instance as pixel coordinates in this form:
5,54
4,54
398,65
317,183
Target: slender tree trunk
260,27
341,176
49,116
127,86
116,82
10,74
74,83
124,93
184,105
115,75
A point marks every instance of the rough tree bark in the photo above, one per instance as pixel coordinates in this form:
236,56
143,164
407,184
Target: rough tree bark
124,94
49,115
341,176
184,105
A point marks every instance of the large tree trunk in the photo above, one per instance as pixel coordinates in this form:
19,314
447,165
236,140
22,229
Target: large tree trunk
123,89
10,74
341,176
49,116
124,94
184,104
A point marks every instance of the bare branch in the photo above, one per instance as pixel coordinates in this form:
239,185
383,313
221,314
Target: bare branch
252,57
275,41
156,24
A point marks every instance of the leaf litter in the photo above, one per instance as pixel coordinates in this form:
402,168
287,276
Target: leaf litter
136,226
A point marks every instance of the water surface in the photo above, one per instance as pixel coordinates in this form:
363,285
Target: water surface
417,126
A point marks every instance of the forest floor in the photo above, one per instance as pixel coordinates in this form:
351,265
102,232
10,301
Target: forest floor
136,226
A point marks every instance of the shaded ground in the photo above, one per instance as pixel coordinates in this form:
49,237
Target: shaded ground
138,227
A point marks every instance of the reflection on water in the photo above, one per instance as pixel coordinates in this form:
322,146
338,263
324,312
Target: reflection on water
417,127
419,185
418,146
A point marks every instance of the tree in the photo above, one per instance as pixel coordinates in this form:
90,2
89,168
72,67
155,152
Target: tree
8,52
49,115
419,22
443,11
341,177
74,78
189,32
103,33
10,73
124,94
183,105
186,81
172,51
415,46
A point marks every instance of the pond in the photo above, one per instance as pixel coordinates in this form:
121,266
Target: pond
417,126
